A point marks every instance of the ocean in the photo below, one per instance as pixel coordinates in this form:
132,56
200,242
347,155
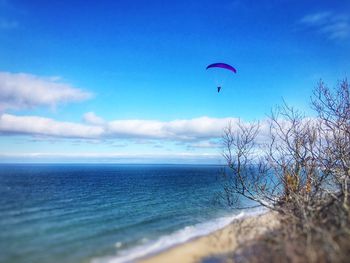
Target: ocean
105,213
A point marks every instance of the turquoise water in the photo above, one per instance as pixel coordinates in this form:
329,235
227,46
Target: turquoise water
104,213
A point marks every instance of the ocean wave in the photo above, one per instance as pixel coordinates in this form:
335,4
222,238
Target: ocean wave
178,237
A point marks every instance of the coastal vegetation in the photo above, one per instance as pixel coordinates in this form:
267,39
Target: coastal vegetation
299,167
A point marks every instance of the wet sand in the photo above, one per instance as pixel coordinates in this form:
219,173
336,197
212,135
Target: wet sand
220,242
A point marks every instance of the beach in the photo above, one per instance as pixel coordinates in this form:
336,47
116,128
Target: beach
220,242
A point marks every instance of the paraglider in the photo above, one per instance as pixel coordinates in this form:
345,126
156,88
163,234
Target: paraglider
223,66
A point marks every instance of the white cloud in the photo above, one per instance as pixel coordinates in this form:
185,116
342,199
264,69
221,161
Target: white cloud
178,130
192,135
92,118
183,130
208,144
33,125
334,26
316,18
20,90
163,157
192,129
339,30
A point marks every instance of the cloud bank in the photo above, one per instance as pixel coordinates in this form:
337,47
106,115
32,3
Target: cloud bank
191,129
21,91
33,125
96,128
166,157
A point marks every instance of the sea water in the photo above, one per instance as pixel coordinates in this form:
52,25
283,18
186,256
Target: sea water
105,213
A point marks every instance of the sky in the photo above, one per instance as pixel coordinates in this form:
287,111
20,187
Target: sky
125,81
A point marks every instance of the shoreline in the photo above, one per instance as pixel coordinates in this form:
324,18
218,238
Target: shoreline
219,242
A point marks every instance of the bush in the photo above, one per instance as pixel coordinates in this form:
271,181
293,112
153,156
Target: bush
299,167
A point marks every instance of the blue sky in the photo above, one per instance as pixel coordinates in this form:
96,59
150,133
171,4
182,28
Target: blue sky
125,81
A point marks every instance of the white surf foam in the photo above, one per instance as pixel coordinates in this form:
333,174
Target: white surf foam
177,237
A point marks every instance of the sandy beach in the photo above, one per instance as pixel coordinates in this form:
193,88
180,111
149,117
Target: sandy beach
222,241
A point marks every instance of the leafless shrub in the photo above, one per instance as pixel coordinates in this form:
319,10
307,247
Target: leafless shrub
302,171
